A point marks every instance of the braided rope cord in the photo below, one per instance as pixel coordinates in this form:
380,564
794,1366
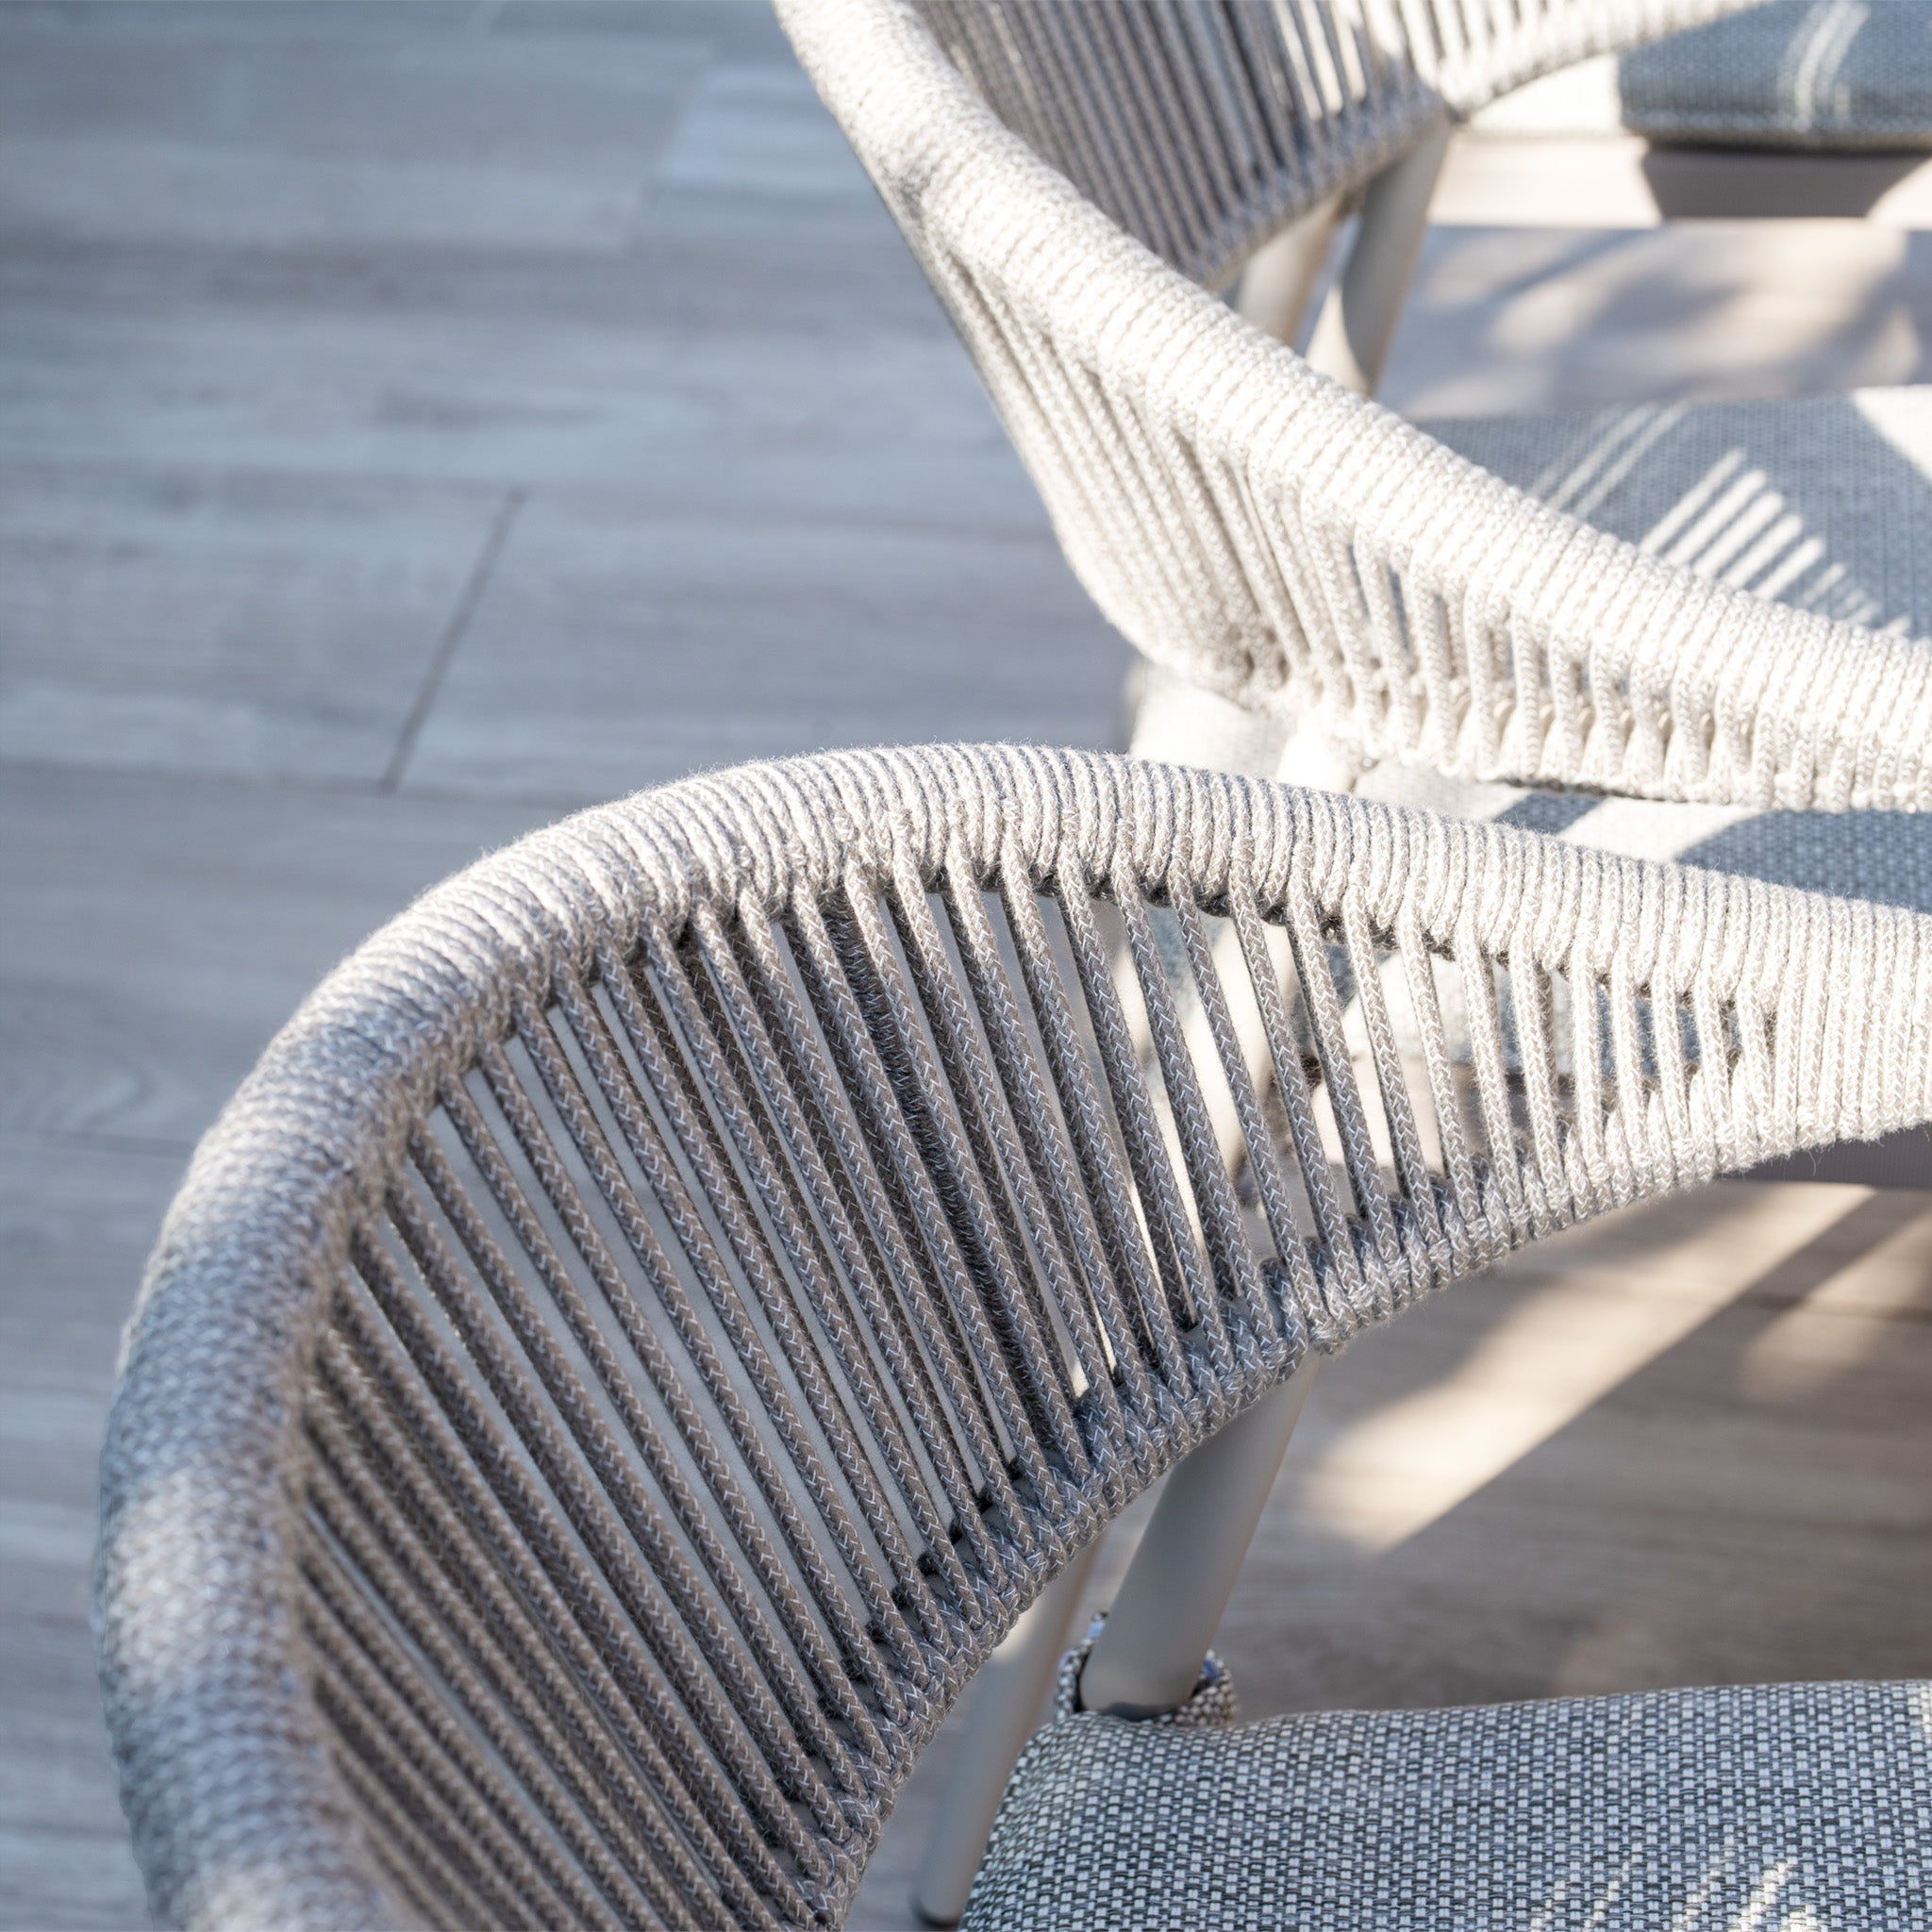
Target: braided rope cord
1078,183
665,1306
1203,128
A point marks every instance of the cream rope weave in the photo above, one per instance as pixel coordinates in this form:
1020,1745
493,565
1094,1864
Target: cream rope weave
1078,184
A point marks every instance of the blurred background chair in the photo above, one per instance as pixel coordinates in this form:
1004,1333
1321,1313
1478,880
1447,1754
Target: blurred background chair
1818,75
1328,594
1248,527
663,1308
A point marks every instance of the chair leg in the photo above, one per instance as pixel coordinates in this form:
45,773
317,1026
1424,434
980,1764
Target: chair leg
1147,1659
1012,1687
1282,274
1356,325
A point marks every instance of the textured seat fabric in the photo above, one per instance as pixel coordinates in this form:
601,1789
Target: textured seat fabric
1884,856
1803,74
1825,503
1792,1807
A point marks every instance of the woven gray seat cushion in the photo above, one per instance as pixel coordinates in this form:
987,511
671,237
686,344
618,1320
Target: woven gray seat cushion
1779,1809
1884,856
1823,74
1824,502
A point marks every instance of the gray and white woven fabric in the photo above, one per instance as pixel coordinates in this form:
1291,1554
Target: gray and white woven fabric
1824,503
665,1305
1832,74
1784,1808
1078,184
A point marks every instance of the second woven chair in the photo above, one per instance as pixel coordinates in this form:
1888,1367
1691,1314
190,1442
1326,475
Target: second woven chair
1077,181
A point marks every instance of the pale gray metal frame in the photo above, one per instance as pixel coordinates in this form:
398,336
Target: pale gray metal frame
1356,327
1007,1703
1147,1658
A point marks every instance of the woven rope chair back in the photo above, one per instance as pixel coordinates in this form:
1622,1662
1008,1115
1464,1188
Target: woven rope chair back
664,1307
1202,129
1078,184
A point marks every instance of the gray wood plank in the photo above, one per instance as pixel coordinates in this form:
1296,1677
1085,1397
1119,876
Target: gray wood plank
761,338
304,138
56,1773
614,648
507,372
738,30
75,1223
258,624
53,1879
250,19
759,132
1740,1499
160,931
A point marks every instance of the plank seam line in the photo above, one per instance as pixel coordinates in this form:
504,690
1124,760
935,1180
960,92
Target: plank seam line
452,632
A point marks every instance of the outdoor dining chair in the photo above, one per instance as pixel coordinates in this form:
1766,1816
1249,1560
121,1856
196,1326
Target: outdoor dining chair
1657,629
666,1305
1078,182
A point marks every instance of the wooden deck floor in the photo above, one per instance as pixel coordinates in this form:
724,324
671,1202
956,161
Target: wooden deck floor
416,420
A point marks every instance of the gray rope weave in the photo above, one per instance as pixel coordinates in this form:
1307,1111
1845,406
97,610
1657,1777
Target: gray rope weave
664,1306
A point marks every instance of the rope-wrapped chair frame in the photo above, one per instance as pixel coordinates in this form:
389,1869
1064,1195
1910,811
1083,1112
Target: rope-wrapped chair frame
665,1306
1076,180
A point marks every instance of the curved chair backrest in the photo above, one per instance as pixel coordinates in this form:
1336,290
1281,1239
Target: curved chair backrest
1274,539
667,1303
1201,130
